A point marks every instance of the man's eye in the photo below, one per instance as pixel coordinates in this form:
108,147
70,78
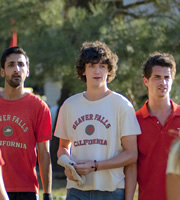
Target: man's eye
11,64
21,64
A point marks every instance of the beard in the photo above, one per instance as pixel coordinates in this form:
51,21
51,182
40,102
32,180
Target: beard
13,81
14,84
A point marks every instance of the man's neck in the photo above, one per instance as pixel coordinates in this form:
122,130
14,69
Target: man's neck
161,108
13,93
159,104
96,94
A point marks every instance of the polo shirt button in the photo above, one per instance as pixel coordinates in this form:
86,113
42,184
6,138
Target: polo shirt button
157,122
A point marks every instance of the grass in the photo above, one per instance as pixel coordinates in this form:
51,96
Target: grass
57,194
58,188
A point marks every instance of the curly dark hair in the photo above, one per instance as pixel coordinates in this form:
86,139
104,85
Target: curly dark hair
95,52
159,59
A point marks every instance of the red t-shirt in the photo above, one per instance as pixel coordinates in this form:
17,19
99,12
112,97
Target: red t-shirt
153,145
23,123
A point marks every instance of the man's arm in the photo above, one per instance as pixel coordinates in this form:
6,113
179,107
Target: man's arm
3,194
130,181
126,157
45,167
172,186
64,149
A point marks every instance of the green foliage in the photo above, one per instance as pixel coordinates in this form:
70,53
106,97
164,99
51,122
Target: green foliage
52,31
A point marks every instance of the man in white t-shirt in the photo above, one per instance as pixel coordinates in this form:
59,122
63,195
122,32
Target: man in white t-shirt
97,130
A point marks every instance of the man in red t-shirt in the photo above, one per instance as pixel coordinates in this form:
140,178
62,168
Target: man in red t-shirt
25,123
157,118
3,194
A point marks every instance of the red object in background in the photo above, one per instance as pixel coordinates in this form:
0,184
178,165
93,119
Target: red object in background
13,40
14,34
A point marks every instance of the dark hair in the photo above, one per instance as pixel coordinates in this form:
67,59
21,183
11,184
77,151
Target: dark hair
159,59
95,52
11,50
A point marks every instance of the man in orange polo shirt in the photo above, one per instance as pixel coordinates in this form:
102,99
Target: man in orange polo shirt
158,116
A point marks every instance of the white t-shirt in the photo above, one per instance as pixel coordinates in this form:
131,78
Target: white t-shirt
95,129
172,167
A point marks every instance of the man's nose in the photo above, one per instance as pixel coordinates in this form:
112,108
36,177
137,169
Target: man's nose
97,69
17,67
163,81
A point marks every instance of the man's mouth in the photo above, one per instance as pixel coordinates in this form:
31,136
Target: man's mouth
16,76
162,88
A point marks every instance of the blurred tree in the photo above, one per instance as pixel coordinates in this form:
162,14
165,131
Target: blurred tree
52,31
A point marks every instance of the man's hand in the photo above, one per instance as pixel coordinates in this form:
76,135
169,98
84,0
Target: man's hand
69,175
85,167
70,171
47,196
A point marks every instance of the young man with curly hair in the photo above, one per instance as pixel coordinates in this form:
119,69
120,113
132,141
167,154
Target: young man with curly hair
158,117
97,130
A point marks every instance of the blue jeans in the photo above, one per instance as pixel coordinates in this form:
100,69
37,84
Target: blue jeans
74,194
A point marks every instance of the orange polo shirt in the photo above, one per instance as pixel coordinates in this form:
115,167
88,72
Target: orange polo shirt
153,145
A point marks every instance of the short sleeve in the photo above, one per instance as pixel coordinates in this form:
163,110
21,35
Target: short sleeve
61,124
43,126
129,123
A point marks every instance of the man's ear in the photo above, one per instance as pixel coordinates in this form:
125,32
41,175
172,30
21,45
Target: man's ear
2,72
28,72
145,81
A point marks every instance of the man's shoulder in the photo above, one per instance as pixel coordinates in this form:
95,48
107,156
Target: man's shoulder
120,97
35,99
175,106
143,109
139,112
74,98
